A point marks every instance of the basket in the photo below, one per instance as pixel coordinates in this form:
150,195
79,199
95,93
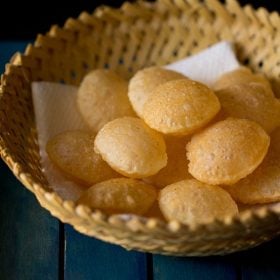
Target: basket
127,39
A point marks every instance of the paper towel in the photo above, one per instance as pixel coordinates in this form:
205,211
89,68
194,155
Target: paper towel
55,111
55,106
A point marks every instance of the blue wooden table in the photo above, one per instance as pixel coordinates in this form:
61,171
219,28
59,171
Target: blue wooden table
34,245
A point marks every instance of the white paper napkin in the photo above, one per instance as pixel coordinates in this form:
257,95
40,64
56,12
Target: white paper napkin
55,106
208,65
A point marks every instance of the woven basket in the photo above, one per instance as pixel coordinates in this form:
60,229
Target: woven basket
126,39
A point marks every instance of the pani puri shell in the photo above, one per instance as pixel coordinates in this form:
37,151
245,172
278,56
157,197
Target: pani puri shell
242,75
250,101
192,202
263,185
120,195
102,97
177,164
144,82
180,107
227,151
73,153
132,148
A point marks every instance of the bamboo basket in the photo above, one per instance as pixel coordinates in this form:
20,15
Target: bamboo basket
127,39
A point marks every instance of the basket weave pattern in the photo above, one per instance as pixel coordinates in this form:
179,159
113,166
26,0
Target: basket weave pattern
127,39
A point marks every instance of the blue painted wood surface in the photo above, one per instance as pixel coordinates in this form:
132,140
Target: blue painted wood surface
88,258
29,238
193,268
34,245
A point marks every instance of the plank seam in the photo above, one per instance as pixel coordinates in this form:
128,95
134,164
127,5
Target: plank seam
150,266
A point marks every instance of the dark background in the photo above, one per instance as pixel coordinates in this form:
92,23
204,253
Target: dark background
24,19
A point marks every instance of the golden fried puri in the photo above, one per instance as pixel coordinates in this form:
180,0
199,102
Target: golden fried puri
263,185
180,107
121,195
250,101
73,153
142,84
132,148
242,75
102,97
192,202
227,151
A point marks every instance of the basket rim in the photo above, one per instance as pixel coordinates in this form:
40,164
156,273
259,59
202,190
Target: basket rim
127,10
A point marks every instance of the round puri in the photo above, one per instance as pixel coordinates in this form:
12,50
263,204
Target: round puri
263,185
121,195
130,147
193,202
102,97
250,101
180,107
227,151
177,164
242,75
144,82
73,153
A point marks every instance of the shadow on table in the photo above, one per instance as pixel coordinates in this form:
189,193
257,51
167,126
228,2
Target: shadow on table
259,263
262,262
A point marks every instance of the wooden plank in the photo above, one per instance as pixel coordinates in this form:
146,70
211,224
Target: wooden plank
193,268
89,258
29,235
